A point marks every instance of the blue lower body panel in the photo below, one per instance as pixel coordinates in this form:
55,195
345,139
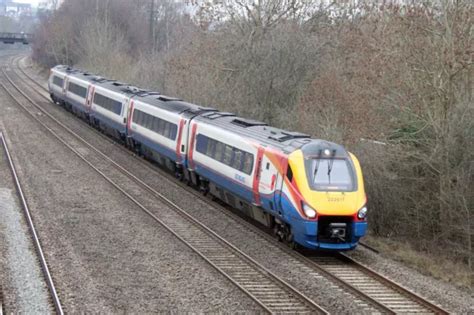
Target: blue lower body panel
305,233
155,146
231,185
77,105
109,122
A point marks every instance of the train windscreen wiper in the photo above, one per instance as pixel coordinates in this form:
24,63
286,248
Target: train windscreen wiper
318,158
330,164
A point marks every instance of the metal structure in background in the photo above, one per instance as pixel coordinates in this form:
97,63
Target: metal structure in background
11,38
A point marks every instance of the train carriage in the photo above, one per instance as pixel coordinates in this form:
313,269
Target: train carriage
158,126
226,163
77,92
109,106
279,185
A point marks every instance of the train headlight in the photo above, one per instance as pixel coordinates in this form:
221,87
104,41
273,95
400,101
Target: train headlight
310,212
362,214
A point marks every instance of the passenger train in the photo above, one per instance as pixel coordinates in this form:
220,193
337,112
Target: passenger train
309,191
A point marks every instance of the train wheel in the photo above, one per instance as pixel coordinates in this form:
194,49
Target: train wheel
179,172
277,232
293,245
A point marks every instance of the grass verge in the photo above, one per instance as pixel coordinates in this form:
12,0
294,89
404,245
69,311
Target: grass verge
437,266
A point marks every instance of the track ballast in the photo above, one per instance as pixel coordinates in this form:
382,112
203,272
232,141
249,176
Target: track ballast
372,291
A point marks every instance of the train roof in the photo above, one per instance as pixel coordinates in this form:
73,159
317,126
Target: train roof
85,76
287,141
122,88
174,105
284,140
113,85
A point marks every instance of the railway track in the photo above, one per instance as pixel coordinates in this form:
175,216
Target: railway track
371,291
387,292
34,235
269,291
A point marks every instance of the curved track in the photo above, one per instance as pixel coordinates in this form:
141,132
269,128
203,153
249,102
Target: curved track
270,292
34,234
371,291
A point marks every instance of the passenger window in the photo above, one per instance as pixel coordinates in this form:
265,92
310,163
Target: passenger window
202,143
248,163
159,122
228,155
173,131
162,127
167,130
211,147
237,162
156,121
135,116
143,119
139,117
219,151
117,107
149,121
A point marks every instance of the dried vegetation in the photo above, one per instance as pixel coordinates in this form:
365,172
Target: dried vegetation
393,81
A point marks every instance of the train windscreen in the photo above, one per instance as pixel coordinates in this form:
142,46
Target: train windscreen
327,174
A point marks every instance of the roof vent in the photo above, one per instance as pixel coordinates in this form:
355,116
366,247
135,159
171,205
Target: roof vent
71,70
165,98
243,122
99,79
214,115
144,93
207,109
118,83
287,135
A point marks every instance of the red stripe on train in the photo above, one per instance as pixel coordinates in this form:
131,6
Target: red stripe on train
191,145
130,116
180,134
256,176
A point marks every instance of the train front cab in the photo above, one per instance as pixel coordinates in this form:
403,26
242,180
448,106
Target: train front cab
327,190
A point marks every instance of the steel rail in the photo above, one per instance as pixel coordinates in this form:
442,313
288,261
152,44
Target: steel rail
270,294
29,76
34,234
391,284
351,287
371,248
